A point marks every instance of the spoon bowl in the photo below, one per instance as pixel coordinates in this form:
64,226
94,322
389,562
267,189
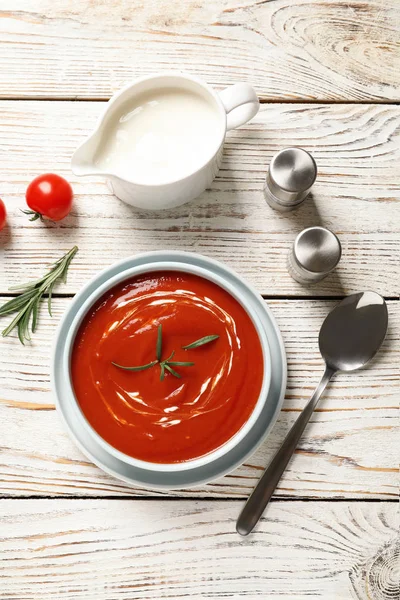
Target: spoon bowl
354,331
349,337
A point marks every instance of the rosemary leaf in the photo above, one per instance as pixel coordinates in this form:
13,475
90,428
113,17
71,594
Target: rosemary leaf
204,340
23,325
140,368
50,291
14,323
20,330
16,303
180,364
172,371
169,357
26,305
159,343
35,311
26,286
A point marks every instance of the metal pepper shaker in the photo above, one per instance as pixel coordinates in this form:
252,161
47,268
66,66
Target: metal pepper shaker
290,176
315,253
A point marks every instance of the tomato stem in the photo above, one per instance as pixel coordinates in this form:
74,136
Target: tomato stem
34,215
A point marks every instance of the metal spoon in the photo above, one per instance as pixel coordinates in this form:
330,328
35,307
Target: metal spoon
349,337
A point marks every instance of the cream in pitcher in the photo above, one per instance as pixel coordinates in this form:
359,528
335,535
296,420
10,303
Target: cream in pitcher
164,137
160,140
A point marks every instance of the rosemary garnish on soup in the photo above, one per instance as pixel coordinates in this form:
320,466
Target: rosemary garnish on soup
168,364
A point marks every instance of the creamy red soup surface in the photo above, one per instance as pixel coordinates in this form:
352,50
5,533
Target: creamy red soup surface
152,414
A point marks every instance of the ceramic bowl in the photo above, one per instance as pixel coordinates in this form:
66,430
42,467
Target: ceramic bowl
240,295
156,261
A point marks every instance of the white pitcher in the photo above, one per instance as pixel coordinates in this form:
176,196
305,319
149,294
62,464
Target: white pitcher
234,106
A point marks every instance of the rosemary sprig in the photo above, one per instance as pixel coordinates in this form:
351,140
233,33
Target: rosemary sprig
204,340
165,364
26,305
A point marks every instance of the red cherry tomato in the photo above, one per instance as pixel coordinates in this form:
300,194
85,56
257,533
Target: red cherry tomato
3,215
50,196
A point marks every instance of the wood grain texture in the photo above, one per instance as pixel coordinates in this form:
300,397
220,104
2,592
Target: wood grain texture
289,49
379,575
149,550
357,195
349,450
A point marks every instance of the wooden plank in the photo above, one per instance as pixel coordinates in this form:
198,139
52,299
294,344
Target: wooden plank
357,195
189,549
349,450
289,49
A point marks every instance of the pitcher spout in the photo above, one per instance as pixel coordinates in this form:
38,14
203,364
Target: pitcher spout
83,160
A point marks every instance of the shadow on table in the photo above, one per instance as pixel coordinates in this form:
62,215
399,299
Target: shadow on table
308,215
5,236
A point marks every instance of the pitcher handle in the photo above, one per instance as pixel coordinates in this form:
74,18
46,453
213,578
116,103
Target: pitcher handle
241,104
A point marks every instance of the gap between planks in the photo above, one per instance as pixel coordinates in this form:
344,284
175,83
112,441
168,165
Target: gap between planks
378,102
195,498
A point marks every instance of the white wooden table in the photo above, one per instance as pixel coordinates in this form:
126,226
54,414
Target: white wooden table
328,76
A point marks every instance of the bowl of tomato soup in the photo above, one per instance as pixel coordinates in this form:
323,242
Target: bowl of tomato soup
168,366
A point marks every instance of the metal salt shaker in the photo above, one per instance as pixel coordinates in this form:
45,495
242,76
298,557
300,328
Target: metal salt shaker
290,176
315,253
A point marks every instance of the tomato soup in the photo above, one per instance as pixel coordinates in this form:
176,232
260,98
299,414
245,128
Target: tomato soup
159,414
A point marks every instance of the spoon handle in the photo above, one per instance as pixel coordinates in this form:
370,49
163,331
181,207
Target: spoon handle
264,489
